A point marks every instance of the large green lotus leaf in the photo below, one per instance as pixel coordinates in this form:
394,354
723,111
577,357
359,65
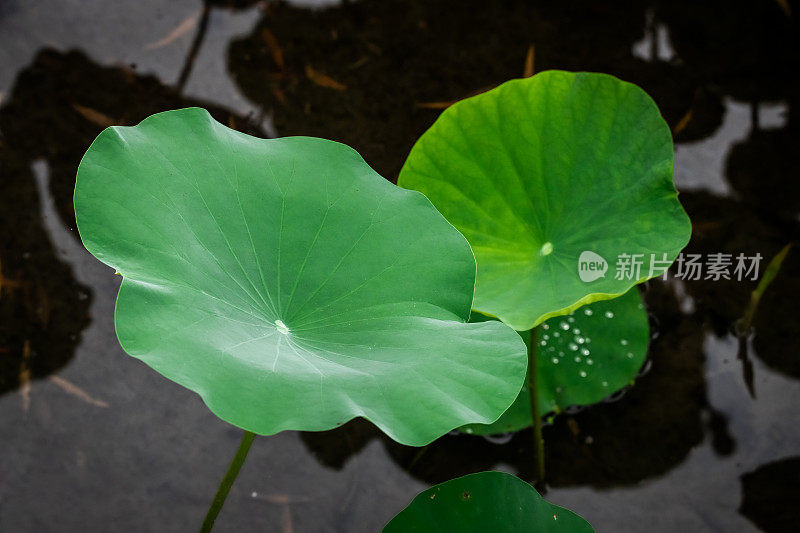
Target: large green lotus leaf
485,502
582,358
288,284
542,169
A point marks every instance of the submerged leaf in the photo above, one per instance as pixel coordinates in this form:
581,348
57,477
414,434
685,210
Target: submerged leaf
485,502
288,284
541,170
323,80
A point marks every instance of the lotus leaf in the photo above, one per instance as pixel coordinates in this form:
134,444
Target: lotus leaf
487,501
288,284
545,173
583,358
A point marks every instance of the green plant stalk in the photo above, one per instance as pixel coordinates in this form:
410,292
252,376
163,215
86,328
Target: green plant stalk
227,481
774,266
533,351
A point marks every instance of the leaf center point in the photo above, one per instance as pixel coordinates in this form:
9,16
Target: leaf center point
281,327
546,249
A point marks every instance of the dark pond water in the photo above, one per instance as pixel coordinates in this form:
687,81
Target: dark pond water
92,440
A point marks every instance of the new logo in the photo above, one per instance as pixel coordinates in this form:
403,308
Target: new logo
591,266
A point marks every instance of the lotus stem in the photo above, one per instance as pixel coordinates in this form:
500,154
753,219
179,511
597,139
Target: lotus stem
538,441
227,481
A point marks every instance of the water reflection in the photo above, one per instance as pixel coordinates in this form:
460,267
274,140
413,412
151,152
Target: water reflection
775,338
770,495
42,308
57,106
745,48
374,74
762,167
729,226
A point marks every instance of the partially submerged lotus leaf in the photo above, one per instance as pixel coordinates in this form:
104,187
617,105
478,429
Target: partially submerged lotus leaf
582,358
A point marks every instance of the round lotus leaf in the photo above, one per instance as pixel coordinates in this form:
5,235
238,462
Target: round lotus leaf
488,501
582,358
288,284
547,174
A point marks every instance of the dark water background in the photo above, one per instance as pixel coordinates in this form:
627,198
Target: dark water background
94,441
